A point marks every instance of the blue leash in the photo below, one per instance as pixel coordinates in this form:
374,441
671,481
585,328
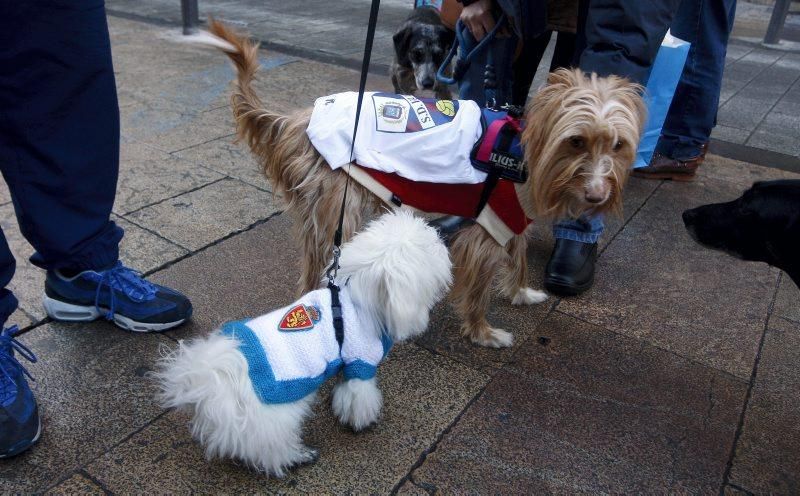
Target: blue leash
464,62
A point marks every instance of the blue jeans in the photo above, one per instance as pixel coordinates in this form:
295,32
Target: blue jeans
707,25
59,135
586,229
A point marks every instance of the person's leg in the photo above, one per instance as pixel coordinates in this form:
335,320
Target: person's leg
619,37
707,25
622,37
563,51
526,65
59,105
63,127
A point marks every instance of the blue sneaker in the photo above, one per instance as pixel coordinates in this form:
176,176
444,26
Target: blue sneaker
20,425
119,294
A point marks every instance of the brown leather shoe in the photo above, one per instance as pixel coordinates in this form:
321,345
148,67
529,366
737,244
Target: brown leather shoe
663,167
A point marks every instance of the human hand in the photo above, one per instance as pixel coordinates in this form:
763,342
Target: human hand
478,18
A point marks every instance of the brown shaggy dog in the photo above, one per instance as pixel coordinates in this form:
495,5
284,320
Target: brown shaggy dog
580,141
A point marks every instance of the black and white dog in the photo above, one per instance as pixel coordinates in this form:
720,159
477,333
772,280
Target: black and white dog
420,46
762,225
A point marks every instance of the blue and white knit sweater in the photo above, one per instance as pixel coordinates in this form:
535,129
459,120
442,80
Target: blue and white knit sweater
290,352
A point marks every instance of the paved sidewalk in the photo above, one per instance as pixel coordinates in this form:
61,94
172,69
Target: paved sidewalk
677,373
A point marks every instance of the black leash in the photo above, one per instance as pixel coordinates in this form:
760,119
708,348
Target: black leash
336,305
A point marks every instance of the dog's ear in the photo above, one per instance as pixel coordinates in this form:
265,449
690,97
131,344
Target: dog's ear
402,41
398,269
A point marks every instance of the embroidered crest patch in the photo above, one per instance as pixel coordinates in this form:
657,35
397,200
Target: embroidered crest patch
300,318
408,114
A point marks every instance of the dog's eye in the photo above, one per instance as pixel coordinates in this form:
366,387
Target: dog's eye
417,55
618,145
576,142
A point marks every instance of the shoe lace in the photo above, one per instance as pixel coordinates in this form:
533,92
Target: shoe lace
8,344
128,281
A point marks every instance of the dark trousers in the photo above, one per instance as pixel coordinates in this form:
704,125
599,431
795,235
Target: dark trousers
707,25
59,134
622,37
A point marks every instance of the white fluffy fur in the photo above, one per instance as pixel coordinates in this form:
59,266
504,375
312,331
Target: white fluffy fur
357,403
398,269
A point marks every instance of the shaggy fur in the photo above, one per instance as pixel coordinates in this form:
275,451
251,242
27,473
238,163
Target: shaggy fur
579,143
397,270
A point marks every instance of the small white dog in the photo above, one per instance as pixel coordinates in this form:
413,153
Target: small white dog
250,385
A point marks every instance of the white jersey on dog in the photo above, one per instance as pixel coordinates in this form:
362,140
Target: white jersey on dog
421,140
290,352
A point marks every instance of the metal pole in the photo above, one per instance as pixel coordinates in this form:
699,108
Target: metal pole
776,22
190,15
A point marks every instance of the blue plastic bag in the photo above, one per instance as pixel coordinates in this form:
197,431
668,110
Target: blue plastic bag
664,78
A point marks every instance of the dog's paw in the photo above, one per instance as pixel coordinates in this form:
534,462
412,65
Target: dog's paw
357,403
494,338
528,296
308,456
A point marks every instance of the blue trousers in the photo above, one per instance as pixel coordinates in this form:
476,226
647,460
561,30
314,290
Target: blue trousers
59,134
707,25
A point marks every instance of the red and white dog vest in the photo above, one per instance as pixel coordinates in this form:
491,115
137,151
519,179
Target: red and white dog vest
416,153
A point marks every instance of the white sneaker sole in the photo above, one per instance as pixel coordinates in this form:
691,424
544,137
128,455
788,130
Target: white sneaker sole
66,312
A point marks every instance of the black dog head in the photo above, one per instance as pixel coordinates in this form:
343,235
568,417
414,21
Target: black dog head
421,44
762,225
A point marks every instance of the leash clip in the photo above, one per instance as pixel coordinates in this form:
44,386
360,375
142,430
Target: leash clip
333,269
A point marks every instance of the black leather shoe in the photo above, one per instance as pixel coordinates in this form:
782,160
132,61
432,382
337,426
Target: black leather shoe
570,270
449,225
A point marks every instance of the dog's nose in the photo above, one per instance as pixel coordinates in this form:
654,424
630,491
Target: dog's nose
593,196
427,83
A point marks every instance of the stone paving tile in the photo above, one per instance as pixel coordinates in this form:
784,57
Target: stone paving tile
5,194
732,491
766,460
198,128
769,140
522,321
742,112
91,393
774,80
740,173
148,176
408,488
678,295
143,250
370,462
220,279
586,411
200,217
298,85
730,134
787,302
737,50
229,158
77,484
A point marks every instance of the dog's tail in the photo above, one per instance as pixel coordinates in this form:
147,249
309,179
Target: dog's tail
255,124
